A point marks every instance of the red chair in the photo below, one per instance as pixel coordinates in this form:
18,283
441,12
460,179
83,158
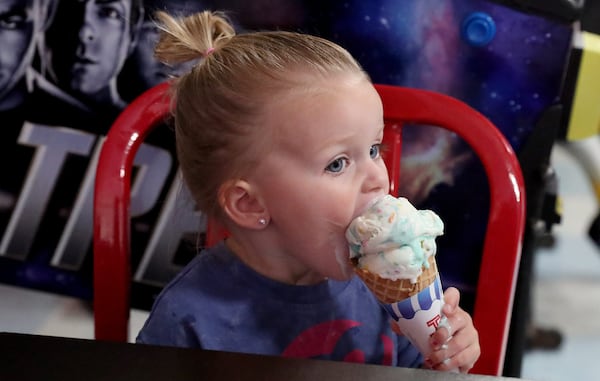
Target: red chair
502,246
503,239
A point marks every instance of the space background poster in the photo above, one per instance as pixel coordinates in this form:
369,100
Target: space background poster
69,67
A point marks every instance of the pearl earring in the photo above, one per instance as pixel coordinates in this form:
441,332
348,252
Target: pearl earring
262,221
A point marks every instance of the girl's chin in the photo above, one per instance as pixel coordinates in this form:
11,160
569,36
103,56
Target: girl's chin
345,272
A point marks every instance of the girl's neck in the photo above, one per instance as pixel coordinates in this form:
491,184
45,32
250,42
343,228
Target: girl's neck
277,266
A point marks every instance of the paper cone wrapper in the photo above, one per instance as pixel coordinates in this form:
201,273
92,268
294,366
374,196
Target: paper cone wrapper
416,307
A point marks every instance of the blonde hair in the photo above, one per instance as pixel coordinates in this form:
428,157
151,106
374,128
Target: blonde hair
219,104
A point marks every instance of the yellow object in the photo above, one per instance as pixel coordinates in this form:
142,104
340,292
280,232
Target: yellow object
597,190
558,206
585,112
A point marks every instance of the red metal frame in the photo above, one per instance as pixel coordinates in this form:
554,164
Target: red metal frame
502,247
506,220
112,269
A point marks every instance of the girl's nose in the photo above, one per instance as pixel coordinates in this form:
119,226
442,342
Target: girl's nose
376,178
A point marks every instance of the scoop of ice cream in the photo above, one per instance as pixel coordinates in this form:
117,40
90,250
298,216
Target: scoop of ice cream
393,239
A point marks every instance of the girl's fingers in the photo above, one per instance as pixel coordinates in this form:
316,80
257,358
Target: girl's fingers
460,351
449,327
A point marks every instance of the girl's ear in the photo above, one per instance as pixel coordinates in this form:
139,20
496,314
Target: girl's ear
241,203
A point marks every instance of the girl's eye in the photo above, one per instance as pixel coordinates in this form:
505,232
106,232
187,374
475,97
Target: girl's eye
375,151
337,165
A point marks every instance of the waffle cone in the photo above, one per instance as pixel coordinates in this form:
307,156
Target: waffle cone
389,291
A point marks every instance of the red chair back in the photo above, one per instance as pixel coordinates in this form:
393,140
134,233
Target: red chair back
503,239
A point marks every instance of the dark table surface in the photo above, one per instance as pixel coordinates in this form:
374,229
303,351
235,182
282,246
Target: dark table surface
33,357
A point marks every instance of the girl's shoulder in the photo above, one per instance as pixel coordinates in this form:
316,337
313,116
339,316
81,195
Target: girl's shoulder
208,265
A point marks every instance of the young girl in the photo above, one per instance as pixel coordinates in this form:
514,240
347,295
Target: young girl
279,137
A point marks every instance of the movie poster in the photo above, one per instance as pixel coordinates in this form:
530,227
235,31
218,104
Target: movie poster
69,67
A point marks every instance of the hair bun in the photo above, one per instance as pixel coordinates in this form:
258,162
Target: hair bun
191,37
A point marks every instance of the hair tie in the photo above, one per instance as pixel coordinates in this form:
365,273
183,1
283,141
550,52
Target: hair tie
208,51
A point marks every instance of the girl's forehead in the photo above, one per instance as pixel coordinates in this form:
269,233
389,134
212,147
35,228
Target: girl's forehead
327,112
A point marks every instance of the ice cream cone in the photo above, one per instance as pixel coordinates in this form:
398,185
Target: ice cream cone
416,307
392,247
389,291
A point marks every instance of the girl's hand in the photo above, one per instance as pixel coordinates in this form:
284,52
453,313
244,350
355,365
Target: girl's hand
455,343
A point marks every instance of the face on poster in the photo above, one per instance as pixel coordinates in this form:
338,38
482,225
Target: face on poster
20,23
142,70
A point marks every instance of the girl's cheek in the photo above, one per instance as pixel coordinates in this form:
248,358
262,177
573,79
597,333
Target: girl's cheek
342,256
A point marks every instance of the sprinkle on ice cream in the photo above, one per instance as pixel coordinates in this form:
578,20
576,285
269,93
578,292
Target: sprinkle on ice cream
393,239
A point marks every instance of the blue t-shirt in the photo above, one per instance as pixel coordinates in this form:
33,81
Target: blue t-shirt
219,303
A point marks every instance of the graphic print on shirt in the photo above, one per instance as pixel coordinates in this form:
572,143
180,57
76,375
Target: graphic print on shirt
331,340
